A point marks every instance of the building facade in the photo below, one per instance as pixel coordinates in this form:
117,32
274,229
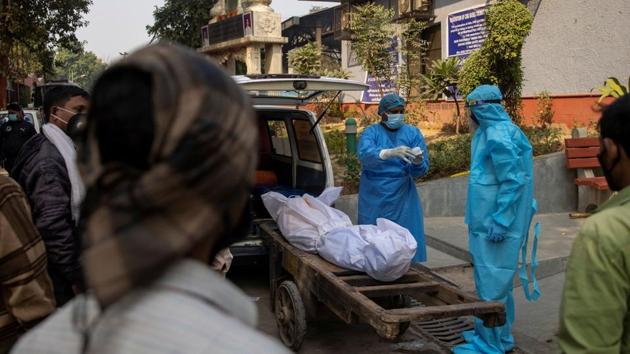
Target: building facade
574,45
245,36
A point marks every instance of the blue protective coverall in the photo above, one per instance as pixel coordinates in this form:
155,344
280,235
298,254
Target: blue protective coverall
500,197
387,188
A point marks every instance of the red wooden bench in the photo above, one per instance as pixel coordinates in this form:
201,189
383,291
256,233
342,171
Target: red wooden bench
582,155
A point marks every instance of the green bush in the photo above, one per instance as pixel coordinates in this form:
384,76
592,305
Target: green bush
612,88
544,110
336,142
306,60
544,140
449,156
353,173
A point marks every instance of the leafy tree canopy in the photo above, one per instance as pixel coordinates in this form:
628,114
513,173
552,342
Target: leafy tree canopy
33,29
372,33
498,61
81,67
442,79
306,60
180,21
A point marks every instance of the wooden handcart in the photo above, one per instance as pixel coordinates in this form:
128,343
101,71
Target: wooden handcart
302,282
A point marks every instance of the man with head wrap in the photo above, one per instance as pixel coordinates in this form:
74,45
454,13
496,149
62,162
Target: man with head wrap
168,156
499,211
393,154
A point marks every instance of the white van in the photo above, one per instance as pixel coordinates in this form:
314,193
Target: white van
30,115
293,158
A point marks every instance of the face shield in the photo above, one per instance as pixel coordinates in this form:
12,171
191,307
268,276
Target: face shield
473,121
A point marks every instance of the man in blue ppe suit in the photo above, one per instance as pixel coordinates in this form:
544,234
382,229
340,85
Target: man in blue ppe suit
499,212
392,155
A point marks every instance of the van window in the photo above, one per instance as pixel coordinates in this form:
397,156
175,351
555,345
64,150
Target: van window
27,117
279,137
308,150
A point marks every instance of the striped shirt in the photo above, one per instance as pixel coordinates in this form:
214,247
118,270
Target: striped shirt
189,309
26,290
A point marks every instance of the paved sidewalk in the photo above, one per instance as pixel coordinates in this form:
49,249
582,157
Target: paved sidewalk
449,235
540,319
536,322
437,259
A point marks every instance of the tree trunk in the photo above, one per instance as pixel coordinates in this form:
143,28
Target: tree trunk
4,63
380,86
458,117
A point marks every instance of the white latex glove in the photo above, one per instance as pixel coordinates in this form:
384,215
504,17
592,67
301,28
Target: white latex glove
222,261
418,156
402,152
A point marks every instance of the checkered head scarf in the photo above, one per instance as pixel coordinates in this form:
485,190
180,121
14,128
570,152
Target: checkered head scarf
202,165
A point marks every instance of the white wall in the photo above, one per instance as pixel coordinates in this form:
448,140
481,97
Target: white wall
356,73
576,44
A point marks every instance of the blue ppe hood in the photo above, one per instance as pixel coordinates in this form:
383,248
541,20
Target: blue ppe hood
486,112
390,101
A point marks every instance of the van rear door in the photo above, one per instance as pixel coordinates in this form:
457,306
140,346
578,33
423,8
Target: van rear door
292,90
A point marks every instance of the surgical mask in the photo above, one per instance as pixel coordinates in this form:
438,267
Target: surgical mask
395,120
13,117
75,119
608,172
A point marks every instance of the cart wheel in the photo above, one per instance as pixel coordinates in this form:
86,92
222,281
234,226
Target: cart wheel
290,315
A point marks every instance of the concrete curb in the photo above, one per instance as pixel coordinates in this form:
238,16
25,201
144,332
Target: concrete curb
447,248
546,267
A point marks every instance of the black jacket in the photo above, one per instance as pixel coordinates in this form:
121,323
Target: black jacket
13,135
41,171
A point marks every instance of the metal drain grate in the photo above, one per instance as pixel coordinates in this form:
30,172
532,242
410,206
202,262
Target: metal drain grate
445,331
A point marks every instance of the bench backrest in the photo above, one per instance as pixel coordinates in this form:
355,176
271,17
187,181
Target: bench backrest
582,152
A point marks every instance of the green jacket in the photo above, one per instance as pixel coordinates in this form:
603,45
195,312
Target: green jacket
594,312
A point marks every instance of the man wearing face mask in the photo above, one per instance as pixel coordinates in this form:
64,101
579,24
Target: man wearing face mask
46,169
594,310
393,154
14,113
